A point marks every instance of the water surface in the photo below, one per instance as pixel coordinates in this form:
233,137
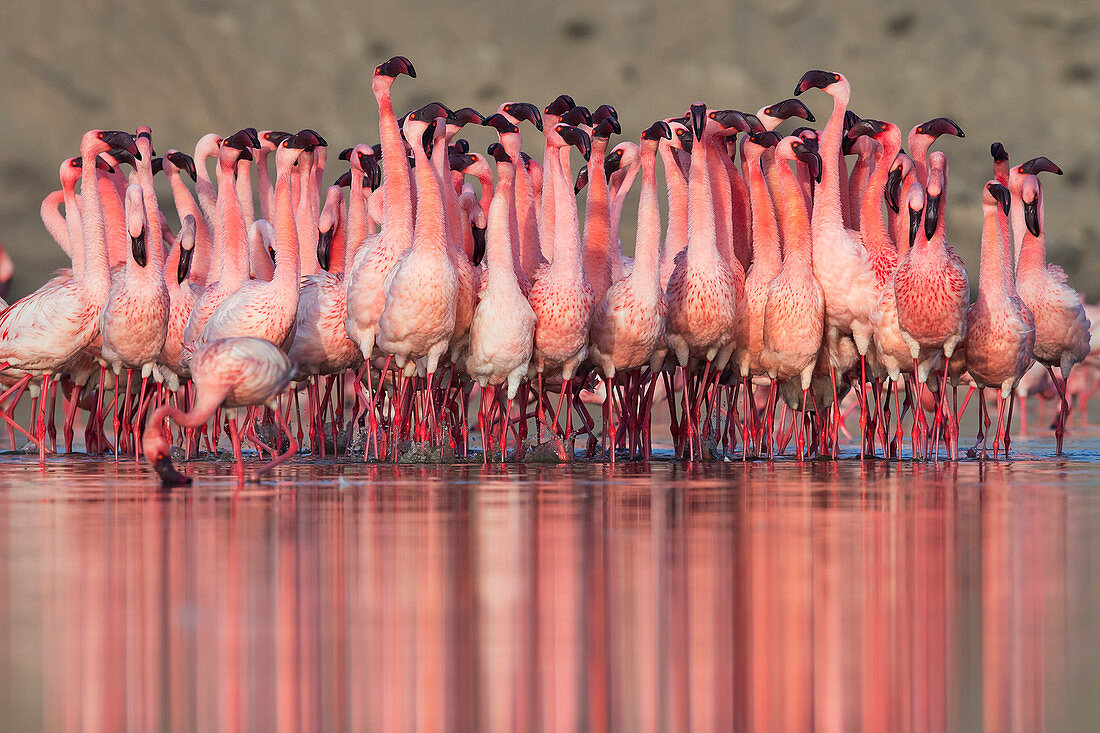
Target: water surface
636,597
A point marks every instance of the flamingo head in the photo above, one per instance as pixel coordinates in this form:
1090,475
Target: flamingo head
569,135
996,194
270,139
135,223
788,108
155,448
830,82
582,179
1032,197
915,205
522,111
899,171
186,239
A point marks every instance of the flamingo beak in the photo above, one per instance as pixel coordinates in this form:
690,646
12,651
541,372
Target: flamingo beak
931,215
1031,216
184,268
914,225
169,476
698,119
137,247
324,248
893,189
479,244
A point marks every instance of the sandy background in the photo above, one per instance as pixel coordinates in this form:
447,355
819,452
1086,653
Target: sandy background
1025,73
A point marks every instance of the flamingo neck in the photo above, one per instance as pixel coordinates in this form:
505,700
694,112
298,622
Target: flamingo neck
397,202
358,225
267,190
1033,250
567,235
287,266
676,231
185,204
827,212
618,198
114,221
96,277
597,222
647,247
72,226
765,229
547,215
244,191
305,216
430,231
702,240
993,274
722,200
231,238
794,219
499,236
875,234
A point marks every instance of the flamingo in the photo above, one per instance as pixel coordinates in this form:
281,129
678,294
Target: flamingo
1062,330
561,295
1000,327
173,162
267,309
841,263
230,372
365,278
702,300
134,321
421,291
628,324
794,314
931,288
44,330
503,327
230,241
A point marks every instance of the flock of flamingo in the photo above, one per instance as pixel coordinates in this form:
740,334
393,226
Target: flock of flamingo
388,308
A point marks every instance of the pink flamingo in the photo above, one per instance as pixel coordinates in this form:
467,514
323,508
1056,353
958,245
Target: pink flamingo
841,263
259,308
182,294
794,314
561,296
1061,326
932,289
230,243
42,331
134,322
421,292
366,295
1000,333
232,372
628,324
551,117
675,157
503,328
528,191
172,163
598,249
702,300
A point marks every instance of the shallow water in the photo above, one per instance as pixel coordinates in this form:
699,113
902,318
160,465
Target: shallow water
760,596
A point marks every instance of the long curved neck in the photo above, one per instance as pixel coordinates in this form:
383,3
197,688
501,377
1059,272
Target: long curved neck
114,221
231,238
619,191
547,214
357,228
993,271
918,151
287,266
452,217
827,213
741,212
1019,226
430,231
676,231
597,223
721,198
872,225
794,218
499,242
204,189
96,277
858,183
185,204
567,242
526,204
702,241
397,202
50,212
305,216
1033,250
765,229
267,190
899,226
154,238
647,247
73,228
244,191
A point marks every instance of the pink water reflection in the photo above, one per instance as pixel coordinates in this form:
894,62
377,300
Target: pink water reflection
707,598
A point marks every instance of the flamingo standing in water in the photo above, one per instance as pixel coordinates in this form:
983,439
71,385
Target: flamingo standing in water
421,292
932,290
702,301
1000,332
561,295
794,314
134,322
841,263
503,328
259,308
232,372
629,323
44,330
1061,326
